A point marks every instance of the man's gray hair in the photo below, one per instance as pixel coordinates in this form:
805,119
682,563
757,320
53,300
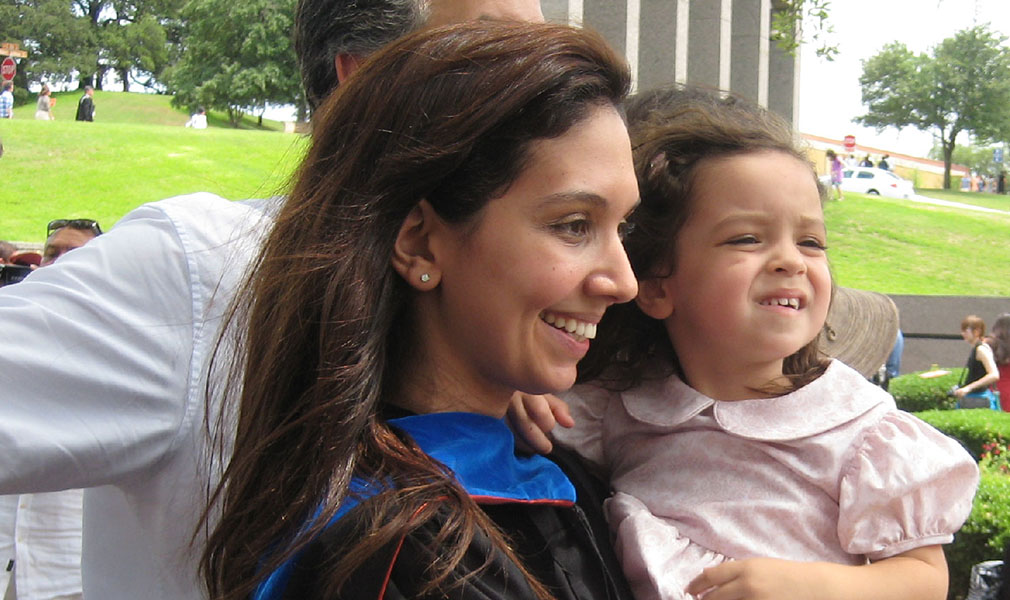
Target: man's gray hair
326,28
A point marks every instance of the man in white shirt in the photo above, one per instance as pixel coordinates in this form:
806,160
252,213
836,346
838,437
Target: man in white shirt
105,361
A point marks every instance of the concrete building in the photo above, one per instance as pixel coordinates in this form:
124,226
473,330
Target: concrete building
717,43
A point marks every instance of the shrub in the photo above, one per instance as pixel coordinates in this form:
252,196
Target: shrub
914,394
984,534
973,427
985,433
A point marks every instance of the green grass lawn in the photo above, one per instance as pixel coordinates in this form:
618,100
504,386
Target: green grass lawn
137,151
903,247
143,109
102,170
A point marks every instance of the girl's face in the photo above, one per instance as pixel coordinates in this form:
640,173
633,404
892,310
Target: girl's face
520,295
751,283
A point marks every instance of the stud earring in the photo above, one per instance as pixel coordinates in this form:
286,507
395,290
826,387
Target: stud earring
425,277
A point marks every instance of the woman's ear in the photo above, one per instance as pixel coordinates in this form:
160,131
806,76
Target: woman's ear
413,258
655,297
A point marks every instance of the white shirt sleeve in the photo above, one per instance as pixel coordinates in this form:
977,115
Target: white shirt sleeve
95,357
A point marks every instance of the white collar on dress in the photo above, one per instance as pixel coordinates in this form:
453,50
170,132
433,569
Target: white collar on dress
837,397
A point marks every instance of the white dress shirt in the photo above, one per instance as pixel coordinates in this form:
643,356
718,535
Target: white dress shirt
40,545
103,366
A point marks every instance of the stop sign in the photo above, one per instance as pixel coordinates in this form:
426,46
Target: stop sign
850,142
8,68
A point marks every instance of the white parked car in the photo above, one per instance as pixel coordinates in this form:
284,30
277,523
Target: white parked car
870,180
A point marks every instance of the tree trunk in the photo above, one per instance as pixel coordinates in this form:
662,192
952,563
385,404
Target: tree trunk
100,77
948,154
124,74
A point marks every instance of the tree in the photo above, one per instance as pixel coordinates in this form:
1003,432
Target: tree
58,42
130,35
963,86
237,56
795,22
979,159
86,38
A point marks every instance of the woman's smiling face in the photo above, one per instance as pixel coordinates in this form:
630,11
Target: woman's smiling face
521,291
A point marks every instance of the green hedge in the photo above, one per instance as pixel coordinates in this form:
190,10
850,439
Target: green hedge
987,530
973,427
915,394
985,533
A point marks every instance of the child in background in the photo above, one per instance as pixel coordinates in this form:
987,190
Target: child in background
745,465
836,166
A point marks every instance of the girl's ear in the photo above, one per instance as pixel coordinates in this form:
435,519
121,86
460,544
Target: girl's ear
655,297
413,258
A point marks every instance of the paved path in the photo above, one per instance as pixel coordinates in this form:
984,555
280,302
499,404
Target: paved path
939,202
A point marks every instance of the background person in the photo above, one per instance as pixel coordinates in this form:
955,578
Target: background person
489,173
1000,344
44,106
7,101
836,166
7,250
64,235
147,299
980,370
198,120
41,534
86,105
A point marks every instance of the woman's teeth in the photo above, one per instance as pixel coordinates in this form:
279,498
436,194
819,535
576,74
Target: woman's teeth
580,329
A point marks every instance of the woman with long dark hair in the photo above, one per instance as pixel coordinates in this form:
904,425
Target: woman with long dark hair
454,236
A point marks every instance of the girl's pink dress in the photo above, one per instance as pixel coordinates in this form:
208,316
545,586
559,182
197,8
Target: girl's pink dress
833,471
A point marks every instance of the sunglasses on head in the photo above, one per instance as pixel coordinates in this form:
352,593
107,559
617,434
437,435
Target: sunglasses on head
83,224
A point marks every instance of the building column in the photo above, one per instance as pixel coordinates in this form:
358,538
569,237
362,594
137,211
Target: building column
749,59
662,54
709,33
783,81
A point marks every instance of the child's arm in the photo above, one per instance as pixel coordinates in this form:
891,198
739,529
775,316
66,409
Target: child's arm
532,418
919,574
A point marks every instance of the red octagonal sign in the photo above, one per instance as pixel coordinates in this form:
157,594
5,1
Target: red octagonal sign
8,68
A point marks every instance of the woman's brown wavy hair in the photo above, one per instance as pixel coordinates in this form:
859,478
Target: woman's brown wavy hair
447,115
674,131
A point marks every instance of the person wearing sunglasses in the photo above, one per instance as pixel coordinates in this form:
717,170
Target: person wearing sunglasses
64,235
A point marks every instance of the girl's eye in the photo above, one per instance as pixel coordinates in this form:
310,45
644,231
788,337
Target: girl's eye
743,240
813,243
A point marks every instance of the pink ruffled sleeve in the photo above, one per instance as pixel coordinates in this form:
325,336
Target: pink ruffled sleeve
588,405
904,486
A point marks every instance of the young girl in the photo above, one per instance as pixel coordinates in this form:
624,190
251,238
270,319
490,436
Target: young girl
745,465
836,174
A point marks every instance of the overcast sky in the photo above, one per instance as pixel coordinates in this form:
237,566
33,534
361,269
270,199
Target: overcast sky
829,91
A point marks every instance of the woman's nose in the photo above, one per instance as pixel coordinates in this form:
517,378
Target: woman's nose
614,278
